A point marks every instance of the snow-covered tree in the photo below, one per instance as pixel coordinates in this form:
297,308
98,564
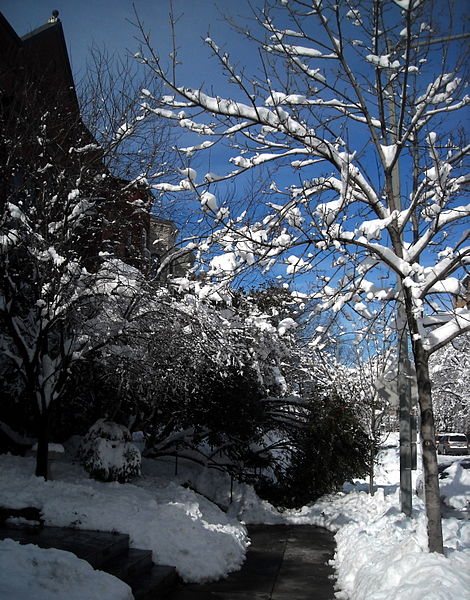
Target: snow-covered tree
450,375
61,296
356,107
50,305
53,282
44,283
107,453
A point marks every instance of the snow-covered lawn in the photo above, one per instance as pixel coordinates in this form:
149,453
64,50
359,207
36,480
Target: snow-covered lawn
381,554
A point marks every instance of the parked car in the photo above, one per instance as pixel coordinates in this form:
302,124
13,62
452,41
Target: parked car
453,443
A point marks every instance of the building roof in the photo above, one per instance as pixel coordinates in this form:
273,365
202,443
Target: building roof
42,59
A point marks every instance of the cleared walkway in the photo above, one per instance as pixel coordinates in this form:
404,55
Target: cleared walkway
284,562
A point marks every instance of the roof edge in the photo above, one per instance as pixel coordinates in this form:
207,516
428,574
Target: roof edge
5,24
40,29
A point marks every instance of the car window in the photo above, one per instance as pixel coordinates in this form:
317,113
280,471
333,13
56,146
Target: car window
457,438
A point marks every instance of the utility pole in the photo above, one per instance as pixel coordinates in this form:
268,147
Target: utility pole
404,395
404,391
404,367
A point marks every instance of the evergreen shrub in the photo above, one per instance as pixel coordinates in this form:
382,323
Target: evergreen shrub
107,453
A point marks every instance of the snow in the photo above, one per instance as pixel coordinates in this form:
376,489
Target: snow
455,487
295,264
53,449
440,336
172,521
208,201
286,325
383,61
373,228
389,153
223,264
404,4
125,130
48,574
297,50
381,554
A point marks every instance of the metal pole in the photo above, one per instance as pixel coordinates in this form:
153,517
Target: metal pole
404,393
404,371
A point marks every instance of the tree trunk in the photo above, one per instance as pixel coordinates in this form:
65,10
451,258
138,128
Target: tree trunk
371,473
430,465
42,453
372,452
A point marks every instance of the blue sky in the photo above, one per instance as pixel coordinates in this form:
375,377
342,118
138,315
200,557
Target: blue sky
106,23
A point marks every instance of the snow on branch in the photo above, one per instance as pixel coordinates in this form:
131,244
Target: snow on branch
456,326
303,51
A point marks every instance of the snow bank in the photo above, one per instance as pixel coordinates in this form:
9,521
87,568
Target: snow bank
238,500
455,486
31,572
384,557
181,528
380,554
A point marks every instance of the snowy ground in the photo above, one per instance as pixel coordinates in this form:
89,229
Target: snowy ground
381,555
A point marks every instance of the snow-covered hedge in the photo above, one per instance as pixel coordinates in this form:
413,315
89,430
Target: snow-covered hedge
107,453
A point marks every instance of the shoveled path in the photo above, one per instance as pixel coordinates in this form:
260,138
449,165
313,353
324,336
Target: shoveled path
284,562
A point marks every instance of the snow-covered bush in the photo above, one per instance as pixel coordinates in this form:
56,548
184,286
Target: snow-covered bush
107,453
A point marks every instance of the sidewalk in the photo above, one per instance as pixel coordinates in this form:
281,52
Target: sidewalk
284,562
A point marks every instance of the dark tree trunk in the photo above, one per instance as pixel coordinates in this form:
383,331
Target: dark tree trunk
371,472
430,465
427,430
42,453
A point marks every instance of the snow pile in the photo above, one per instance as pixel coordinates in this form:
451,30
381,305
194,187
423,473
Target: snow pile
340,510
238,500
181,528
380,555
384,557
387,468
455,486
31,572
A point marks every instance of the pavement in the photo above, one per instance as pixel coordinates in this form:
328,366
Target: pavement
284,562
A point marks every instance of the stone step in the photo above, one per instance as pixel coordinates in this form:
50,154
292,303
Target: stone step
129,564
106,551
96,547
156,584
29,514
